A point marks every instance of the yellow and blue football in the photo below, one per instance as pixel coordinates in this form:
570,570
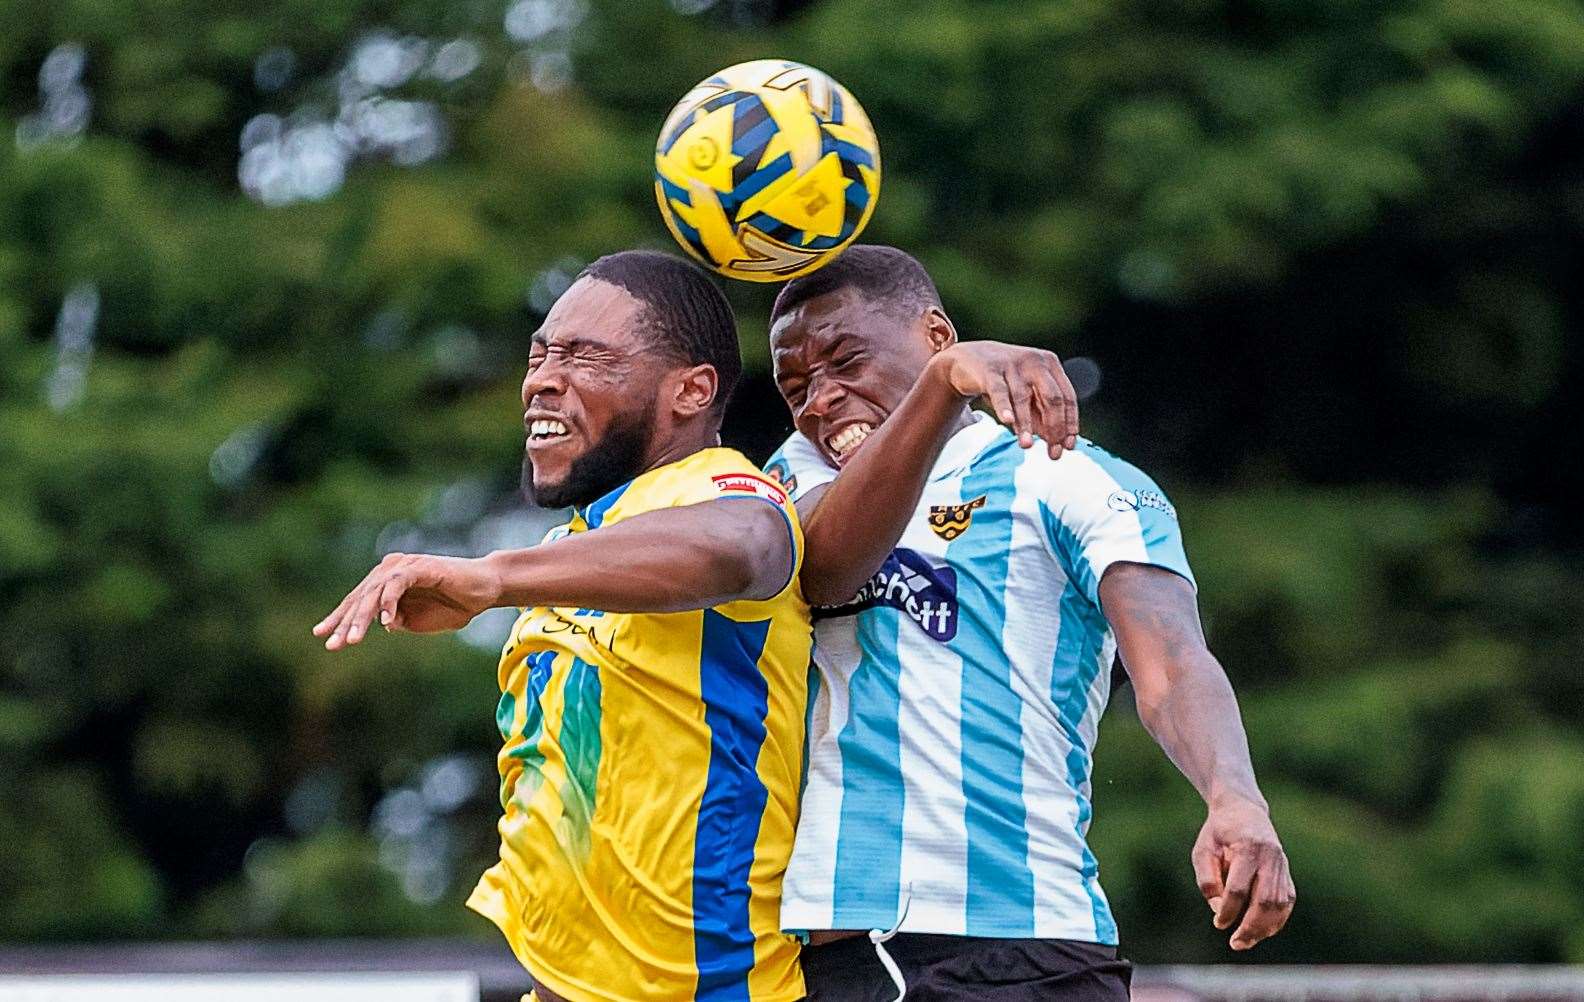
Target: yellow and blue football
766,170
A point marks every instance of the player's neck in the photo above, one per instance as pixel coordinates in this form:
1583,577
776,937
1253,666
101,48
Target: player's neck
685,443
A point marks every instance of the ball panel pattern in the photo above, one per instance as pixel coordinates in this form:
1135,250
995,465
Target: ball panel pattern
766,170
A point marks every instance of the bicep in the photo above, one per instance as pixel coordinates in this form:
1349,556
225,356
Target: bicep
1155,615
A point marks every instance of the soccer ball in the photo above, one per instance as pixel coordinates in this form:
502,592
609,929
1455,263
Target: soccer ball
766,170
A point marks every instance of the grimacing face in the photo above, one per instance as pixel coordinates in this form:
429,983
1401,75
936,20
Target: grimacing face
843,364
589,396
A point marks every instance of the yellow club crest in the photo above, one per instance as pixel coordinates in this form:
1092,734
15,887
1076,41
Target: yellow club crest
952,520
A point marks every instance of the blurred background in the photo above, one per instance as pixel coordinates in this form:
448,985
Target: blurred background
267,275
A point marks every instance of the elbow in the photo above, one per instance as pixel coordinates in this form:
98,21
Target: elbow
753,565
776,564
733,573
829,576
1165,689
1152,683
1151,710
827,587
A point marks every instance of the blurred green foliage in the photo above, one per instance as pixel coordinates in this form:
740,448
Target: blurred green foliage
1326,254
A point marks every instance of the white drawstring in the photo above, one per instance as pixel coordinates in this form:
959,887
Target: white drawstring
879,938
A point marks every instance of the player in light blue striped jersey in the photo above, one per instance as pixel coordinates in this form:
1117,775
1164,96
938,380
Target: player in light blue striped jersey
974,609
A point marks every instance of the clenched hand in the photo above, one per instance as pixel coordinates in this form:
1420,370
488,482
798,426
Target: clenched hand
1242,872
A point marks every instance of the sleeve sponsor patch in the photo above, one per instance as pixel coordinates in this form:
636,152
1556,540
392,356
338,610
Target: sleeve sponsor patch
747,483
1124,500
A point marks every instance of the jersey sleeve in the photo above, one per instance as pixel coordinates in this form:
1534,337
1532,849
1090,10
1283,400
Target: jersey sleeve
747,486
798,467
1104,511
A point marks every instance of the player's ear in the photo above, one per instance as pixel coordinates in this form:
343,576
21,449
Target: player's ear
696,387
938,330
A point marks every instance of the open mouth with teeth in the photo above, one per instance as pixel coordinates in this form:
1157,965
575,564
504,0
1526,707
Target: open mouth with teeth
544,430
843,443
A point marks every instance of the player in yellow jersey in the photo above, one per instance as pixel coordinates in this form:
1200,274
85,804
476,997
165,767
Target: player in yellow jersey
654,687
653,690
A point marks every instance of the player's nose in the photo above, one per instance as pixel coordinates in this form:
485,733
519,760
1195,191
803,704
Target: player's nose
546,377
823,397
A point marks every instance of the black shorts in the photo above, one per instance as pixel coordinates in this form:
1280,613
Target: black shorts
950,968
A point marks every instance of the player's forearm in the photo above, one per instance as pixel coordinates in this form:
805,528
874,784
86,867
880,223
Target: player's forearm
1196,722
1182,692
647,580
671,560
861,515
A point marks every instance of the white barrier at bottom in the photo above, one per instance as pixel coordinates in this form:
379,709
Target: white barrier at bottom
294,987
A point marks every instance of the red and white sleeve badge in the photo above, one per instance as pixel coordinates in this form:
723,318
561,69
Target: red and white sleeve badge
747,483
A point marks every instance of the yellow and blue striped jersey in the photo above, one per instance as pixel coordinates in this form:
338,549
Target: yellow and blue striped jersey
650,777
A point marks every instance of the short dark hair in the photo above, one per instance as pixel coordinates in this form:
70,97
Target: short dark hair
891,276
689,316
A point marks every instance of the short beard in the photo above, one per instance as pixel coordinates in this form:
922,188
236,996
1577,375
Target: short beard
614,460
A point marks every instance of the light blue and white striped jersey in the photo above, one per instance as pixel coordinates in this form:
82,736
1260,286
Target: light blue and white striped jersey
954,712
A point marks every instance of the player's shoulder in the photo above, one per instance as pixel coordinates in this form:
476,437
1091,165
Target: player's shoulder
1088,473
724,472
718,460
798,466
686,481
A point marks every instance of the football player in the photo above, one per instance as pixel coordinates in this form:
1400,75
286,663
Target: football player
972,601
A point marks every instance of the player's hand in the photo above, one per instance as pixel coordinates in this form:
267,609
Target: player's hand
1026,388
1242,872
416,593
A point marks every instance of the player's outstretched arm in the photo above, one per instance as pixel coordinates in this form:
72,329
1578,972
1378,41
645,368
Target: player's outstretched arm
1187,704
852,524
670,560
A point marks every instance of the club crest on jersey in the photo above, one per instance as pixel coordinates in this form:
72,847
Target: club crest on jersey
924,591
952,520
